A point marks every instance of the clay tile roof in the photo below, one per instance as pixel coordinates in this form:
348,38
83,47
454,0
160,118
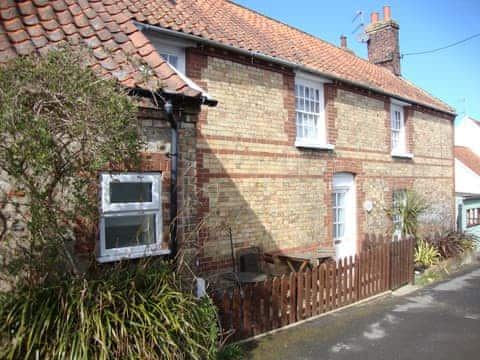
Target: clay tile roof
230,24
118,49
468,157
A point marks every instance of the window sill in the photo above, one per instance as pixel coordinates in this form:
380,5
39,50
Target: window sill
401,155
313,145
132,255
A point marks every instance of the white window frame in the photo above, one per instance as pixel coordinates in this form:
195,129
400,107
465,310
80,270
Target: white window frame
399,130
166,47
335,221
154,179
317,84
109,210
400,150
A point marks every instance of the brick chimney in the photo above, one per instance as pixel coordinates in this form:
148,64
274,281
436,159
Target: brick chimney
383,44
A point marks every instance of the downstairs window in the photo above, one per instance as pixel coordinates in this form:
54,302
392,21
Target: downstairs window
130,216
399,201
473,217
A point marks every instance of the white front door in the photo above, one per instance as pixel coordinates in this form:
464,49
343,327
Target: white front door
344,215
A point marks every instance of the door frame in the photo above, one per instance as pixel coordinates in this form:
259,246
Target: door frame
345,182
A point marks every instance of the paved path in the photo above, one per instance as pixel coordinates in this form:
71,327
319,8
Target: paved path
438,322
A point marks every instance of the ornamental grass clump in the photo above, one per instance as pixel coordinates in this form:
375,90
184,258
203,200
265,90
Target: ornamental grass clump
426,254
132,312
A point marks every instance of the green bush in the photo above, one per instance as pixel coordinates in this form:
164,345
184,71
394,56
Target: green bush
135,313
54,117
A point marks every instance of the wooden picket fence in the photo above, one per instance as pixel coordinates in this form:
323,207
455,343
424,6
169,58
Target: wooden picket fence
252,309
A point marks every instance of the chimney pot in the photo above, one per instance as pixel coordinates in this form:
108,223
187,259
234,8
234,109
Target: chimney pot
374,17
387,13
343,41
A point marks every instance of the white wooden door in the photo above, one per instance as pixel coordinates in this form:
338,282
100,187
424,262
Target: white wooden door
344,215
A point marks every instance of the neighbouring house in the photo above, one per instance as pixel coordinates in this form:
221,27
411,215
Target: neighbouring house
308,146
467,175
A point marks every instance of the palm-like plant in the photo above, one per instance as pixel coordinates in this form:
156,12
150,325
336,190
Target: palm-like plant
408,210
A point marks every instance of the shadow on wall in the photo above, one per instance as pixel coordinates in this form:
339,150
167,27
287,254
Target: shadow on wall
262,208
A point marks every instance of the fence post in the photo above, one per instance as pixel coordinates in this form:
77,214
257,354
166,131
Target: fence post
357,277
411,266
389,262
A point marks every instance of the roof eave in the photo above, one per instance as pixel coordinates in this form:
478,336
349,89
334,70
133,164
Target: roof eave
283,62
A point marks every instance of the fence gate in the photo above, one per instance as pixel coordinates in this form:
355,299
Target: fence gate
401,262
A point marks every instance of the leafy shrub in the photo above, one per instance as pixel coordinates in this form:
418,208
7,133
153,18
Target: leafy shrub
453,243
59,126
408,211
135,313
426,254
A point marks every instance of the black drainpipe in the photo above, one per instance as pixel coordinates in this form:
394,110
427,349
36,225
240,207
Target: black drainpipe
168,107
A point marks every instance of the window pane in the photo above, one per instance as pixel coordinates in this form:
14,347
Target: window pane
341,215
124,231
130,192
173,60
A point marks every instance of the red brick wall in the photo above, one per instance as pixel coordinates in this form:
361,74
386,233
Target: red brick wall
253,179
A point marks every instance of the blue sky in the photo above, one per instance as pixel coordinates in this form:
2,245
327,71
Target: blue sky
453,74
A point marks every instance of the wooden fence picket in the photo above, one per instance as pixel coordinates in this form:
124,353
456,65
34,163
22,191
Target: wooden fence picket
308,294
293,296
322,285
257,307
236,312
300,293
284,300
276,300
267,305
315,291
247,316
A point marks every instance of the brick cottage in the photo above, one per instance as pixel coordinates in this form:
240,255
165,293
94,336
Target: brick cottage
308,144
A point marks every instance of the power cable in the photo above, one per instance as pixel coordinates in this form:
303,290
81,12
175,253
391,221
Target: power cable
441,48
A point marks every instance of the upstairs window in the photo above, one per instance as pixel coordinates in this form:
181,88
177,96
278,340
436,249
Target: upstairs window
174,55
170,58
398,130
309,113
131,221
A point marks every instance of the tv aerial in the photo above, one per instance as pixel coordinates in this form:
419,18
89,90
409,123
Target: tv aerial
362,35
